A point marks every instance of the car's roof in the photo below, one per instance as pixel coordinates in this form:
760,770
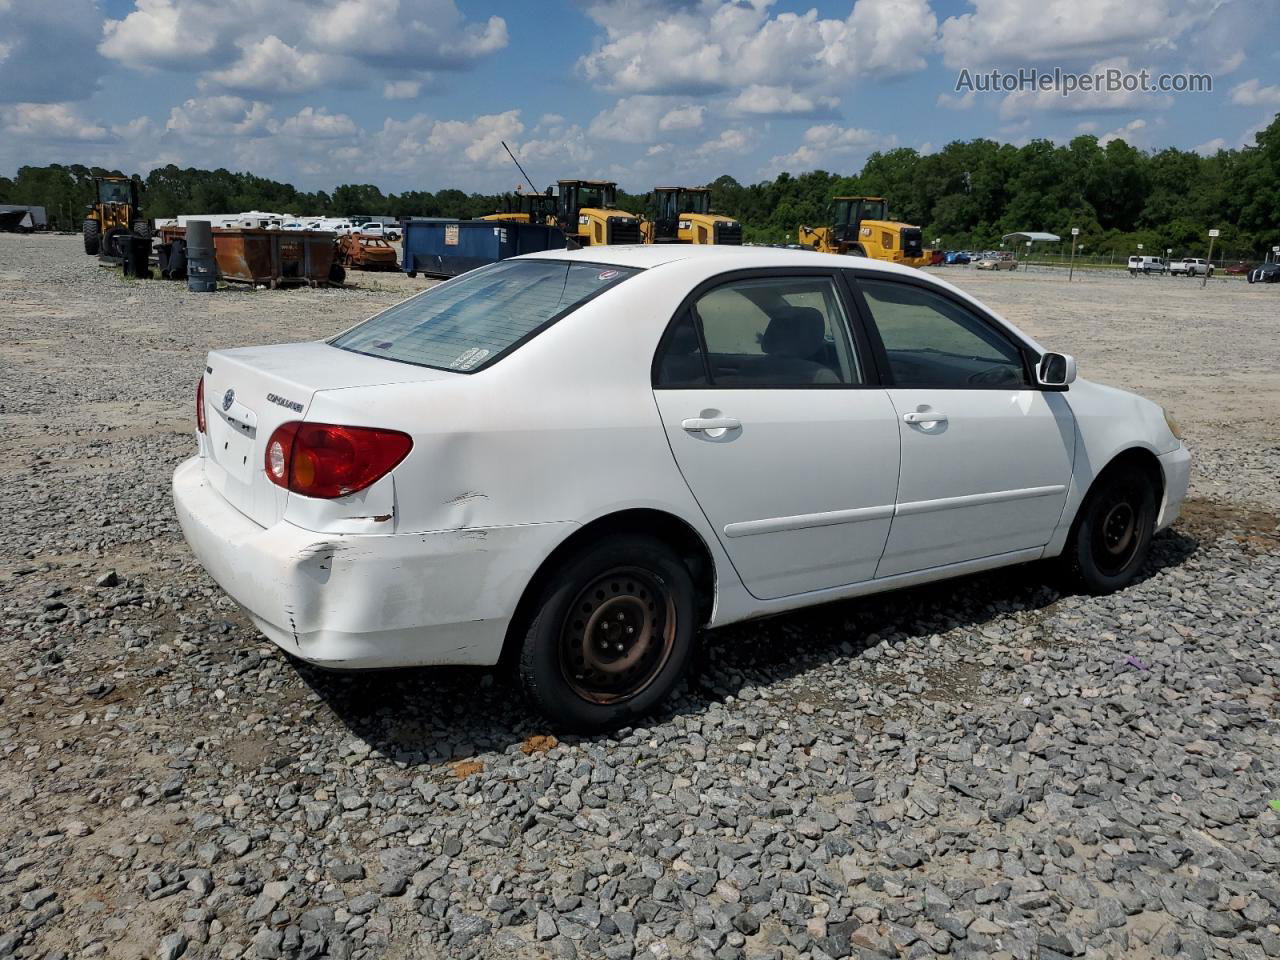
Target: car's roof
647,256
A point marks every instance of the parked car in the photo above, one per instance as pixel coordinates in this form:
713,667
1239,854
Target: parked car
1147,265
430,487
936,258
956,258
366,252
1191,267
1241,268
999,260
375,229
1268,272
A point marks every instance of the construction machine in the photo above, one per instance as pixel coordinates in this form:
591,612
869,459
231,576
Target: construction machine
586,210
860,226
114,212
522,207
683,215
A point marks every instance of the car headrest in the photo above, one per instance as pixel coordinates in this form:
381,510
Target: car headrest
684,339
795,332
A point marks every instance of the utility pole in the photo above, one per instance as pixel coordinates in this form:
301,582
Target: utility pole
1209,262
1075,232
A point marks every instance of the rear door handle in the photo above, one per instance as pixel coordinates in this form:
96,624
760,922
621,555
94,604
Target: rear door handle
703,424
925,416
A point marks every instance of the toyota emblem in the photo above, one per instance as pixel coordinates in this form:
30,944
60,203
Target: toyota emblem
228,399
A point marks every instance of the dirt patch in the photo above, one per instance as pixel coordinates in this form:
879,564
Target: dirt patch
538,744
466,768
1211,520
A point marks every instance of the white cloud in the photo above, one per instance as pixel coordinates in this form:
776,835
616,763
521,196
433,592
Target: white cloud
686,117
292,46
1024,102
50,122
213,118
1001,32
729,141
318,124
827,142
704,46
1130,133
638,119
402,89
958,102
271,66
1251,93
1210,147
762,98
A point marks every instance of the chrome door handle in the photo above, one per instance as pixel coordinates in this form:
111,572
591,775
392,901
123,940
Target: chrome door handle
701,424
925,416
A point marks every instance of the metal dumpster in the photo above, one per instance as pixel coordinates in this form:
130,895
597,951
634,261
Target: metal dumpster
274,258
445,248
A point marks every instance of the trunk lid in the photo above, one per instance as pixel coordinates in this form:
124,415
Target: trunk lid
250,391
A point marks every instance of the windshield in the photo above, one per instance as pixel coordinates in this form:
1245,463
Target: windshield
695,201
113,191
874,210
471,321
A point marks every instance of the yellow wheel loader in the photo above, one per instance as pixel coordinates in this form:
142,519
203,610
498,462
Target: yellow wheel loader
683,215
521,207
115,211
586,210
860,226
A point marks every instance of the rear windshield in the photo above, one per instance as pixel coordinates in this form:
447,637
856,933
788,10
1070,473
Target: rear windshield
473,320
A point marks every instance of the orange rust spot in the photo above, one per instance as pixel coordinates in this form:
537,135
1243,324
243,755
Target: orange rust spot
538,744
466,768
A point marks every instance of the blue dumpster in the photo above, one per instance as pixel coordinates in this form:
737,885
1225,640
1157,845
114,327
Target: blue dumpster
441,247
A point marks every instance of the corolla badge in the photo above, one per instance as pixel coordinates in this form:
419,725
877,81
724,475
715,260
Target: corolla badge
228,399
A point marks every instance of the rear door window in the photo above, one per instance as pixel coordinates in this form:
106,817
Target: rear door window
473,320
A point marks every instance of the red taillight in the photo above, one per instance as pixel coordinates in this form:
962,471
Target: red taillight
326,460
200,405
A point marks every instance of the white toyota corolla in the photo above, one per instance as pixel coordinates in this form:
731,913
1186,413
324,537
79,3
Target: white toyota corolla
578,459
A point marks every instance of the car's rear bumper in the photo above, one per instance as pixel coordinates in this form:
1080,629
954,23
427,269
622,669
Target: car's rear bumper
1176,466
353,601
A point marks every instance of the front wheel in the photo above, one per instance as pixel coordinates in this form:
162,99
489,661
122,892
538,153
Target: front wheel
612,633
1113,531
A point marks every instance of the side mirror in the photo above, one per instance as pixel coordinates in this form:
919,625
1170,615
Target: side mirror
1056,371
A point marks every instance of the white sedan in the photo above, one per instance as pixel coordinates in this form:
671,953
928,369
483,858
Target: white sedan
573,461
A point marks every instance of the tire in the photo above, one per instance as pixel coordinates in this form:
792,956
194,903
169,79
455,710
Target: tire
628,583
108,246
142,228
92,237
413,274
1113,530
857,250
337,273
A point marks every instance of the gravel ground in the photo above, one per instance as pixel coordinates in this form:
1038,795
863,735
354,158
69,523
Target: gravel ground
987,768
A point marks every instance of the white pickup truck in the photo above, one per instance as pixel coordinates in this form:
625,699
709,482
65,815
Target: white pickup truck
1191,267
375,229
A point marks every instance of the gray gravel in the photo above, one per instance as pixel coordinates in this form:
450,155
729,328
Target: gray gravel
987,768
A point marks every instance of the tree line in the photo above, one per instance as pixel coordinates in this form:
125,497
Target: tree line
966,195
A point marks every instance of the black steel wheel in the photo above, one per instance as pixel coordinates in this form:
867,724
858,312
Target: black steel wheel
1113,530
617,635
612,632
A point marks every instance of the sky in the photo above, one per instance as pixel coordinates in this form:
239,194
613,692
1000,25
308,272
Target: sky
419,94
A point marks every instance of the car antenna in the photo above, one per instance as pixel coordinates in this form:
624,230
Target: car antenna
517,163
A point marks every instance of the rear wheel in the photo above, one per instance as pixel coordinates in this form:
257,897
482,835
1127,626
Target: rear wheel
611,635
857,250
1113,531
92,236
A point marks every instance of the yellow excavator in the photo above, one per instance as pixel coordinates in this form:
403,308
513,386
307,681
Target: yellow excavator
586,210
522,207
860,226
115,211
683,215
